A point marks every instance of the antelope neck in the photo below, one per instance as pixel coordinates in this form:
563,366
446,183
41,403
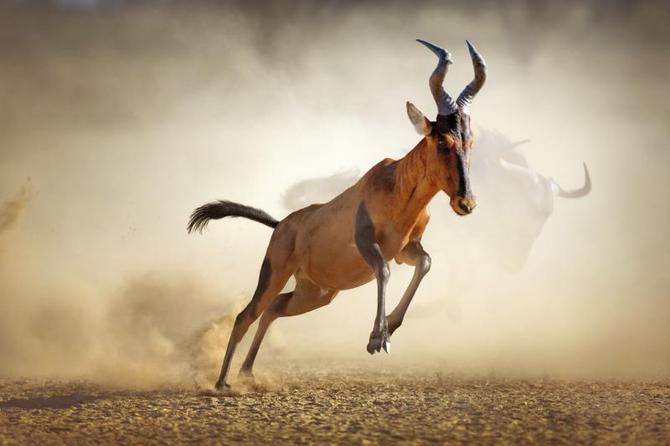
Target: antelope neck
414,188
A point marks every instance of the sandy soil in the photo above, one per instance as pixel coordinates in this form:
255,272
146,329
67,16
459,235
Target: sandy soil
347,406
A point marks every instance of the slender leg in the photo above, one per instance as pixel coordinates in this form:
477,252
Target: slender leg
413,254
266,319
371,252
270,284
305,298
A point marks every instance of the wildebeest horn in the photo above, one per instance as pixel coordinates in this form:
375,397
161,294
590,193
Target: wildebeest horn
575,193
516,144
465,98
445,104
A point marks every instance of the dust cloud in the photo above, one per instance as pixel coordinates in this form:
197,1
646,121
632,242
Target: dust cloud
127,117
139,334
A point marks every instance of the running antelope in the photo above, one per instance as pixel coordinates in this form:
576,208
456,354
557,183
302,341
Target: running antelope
349,241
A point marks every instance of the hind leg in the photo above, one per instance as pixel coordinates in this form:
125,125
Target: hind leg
305,298
272,278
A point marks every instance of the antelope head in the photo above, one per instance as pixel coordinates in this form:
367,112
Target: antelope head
449,138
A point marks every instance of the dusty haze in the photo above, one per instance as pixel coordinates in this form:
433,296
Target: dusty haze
116,122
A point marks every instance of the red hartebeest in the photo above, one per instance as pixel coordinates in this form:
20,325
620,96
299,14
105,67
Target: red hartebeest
349,241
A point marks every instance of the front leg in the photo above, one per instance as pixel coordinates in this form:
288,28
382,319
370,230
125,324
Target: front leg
412,254
366,242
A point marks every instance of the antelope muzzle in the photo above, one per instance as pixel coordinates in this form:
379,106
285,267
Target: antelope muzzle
463,205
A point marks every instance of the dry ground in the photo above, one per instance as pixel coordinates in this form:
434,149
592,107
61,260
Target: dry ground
347,406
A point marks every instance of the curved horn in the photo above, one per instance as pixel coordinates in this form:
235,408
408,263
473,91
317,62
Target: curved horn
516,144
574,193
465,98
445,104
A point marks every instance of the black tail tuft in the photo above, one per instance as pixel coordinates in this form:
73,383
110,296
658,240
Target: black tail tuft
219,209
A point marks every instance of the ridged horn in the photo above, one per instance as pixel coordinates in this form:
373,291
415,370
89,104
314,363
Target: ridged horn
470,91
445,104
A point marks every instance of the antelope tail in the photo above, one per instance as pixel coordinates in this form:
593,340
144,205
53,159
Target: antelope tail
219,209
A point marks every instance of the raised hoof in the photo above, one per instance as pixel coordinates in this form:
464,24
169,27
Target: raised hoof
379,341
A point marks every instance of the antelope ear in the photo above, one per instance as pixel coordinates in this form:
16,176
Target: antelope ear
421,124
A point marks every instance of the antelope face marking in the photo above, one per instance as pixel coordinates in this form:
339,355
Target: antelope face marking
449,142
452,139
